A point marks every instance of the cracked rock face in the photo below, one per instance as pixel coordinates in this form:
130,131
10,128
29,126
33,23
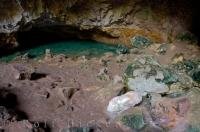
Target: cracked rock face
119,19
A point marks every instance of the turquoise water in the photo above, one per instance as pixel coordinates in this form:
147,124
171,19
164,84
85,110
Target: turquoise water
69,48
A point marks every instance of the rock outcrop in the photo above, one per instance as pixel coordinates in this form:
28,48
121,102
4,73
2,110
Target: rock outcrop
112,21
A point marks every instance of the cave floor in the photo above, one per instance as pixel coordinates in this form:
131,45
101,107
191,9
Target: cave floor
56,93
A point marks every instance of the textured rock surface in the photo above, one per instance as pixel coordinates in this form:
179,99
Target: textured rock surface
123,102
117,19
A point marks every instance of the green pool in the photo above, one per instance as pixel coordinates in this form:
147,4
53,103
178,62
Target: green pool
69,48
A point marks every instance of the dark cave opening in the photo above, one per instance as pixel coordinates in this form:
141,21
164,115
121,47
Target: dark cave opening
36,36
41,35
70,41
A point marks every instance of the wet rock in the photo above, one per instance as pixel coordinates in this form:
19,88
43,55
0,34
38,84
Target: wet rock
140,42
122,50
121,103
134,121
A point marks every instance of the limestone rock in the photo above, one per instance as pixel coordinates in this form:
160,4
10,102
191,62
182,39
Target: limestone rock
121,103
143,85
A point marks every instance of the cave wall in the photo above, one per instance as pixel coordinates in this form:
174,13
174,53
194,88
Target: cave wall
160,20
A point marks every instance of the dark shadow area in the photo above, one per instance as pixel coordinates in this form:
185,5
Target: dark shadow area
196,19
29,38
37,76
9,101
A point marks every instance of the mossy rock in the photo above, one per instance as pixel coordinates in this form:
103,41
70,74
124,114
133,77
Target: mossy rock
134,121
140,42
191,67
170,76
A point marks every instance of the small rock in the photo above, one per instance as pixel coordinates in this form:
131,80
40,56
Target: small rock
162,49
48,54
121,103
25,57
122,50
177,58
83,59
140,42
60,57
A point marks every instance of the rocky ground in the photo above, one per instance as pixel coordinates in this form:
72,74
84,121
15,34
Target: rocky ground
152,87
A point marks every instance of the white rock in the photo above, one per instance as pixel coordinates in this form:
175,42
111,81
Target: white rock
121,103
48,54
144,85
